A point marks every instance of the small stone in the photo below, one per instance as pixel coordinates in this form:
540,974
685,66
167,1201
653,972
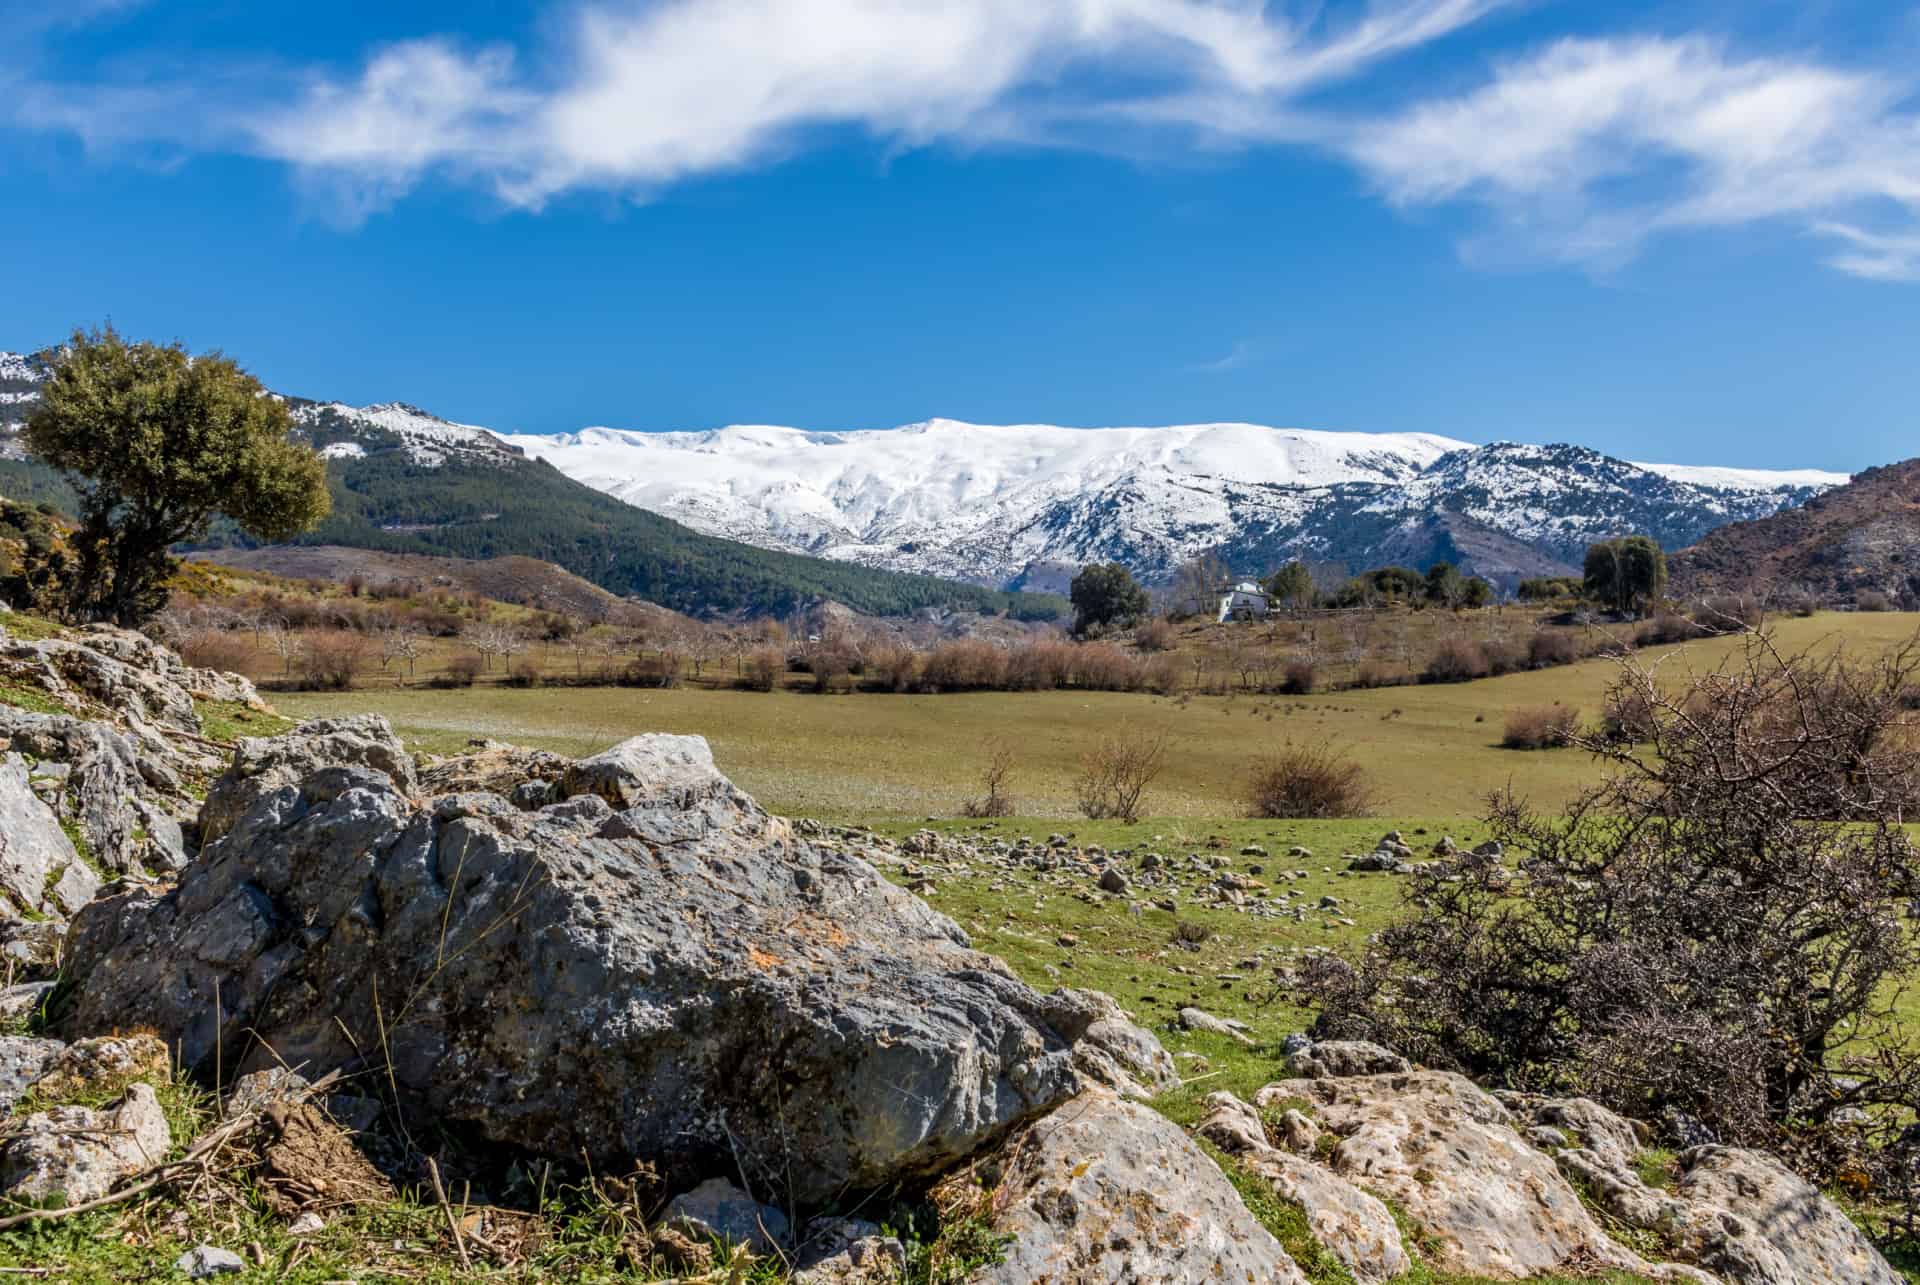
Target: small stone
203,1261
307,1224
718,1210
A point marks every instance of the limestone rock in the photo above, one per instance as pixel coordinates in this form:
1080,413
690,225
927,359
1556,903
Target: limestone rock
718,1210
123,793
1333,1059
40,872
1195,1019
1350,1224
23,1059
848,1251
87,1067
496,769
1450,1155
684,979
263,765
78,1154
1106,1190
204,1261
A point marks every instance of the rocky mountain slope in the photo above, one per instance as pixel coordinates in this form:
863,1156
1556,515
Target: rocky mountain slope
1015,505
1860,538
405,481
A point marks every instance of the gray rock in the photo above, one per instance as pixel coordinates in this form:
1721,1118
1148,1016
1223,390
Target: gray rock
40,872
718,1210
720,993
263,766
1194,1019
1739,1214
1332,1059
75,1154
122,792
849,1251
1106,1190
23,1059
19,1003
1113,881
1449,1154
203,1261
1354,1227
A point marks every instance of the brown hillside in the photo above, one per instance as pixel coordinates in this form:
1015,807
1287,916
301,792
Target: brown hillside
1860,538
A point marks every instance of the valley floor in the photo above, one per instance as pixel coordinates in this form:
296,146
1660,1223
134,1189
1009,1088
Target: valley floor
1432,751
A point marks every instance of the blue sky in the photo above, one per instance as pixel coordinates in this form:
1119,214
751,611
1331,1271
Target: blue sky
1684,232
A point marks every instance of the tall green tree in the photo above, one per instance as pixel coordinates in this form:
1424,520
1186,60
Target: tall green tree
1444,585
1292,585
1628,575
1105,594
155,443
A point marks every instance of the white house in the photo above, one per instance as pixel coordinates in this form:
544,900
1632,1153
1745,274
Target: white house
1244,601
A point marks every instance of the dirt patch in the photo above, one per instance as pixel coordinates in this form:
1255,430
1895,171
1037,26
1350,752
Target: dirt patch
308,1162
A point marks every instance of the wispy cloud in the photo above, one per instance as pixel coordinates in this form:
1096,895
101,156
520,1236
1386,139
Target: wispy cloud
1589,147
1239,355
1579,151
639,95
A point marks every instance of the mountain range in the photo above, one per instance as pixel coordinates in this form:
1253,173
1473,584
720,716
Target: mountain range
407,482
1025,505
765,517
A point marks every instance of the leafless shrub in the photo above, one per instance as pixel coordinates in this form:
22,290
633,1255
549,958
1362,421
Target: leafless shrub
1872,600
994,800
1375,674
1115,774
1541,727
831,668
216,649
1155,635
1301,677
1696,935
1550,647
1669,627
1308,782
762,670
331,662
459,671
1456,660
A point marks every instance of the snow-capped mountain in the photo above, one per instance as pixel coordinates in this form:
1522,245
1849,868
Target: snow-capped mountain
1025,505
1016,505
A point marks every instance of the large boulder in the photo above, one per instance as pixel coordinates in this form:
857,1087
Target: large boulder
264,764
681,979
41,872
1107,1190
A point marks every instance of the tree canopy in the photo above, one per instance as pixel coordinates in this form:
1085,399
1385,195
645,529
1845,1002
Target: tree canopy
1105,594
1627,575
155,443
1292,584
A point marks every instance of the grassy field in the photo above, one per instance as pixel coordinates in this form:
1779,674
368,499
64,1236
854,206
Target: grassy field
1433,751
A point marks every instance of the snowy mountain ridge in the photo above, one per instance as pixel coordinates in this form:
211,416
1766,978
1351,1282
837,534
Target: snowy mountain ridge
1024,505
1019,504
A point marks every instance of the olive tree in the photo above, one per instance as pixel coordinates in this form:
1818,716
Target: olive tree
156,443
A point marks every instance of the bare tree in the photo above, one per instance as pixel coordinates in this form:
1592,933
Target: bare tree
994,801
1115,774
283,642
490,640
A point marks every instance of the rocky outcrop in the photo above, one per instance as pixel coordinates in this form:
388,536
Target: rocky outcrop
41,873
1352,1225
264,764
1739,1214
1106,1190
67,1155
650,966
126,800
1450,1156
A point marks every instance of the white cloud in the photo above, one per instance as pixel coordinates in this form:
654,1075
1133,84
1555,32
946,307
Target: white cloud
1581,150
1589,147
1873,255
640,94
